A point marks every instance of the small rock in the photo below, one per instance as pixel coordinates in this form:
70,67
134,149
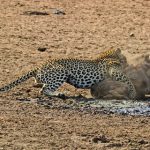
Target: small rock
101,139
42,49
58,11
143,142
28,90
132,35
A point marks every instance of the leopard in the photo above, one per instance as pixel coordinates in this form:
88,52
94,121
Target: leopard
80,73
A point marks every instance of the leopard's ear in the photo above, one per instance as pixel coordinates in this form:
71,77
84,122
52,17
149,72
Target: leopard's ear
113,51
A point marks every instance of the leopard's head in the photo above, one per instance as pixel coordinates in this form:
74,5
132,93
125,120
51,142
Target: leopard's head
113,54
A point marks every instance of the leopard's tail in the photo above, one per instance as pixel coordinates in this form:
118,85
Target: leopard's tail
21,79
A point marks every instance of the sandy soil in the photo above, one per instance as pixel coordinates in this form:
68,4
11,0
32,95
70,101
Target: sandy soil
87,28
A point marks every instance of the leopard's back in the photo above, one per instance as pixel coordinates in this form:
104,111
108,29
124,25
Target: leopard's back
85,73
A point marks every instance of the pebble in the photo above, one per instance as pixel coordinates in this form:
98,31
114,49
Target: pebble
42,49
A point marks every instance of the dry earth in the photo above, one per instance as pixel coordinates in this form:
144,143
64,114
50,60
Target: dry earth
87,28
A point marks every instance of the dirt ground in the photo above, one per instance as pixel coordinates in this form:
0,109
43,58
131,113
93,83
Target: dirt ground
83,30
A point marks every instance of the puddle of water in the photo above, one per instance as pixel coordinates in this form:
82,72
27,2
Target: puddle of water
120,107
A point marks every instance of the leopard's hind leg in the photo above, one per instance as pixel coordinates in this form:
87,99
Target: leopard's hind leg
49,89
52,77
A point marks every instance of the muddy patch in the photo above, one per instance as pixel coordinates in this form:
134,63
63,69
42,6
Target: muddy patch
121,107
